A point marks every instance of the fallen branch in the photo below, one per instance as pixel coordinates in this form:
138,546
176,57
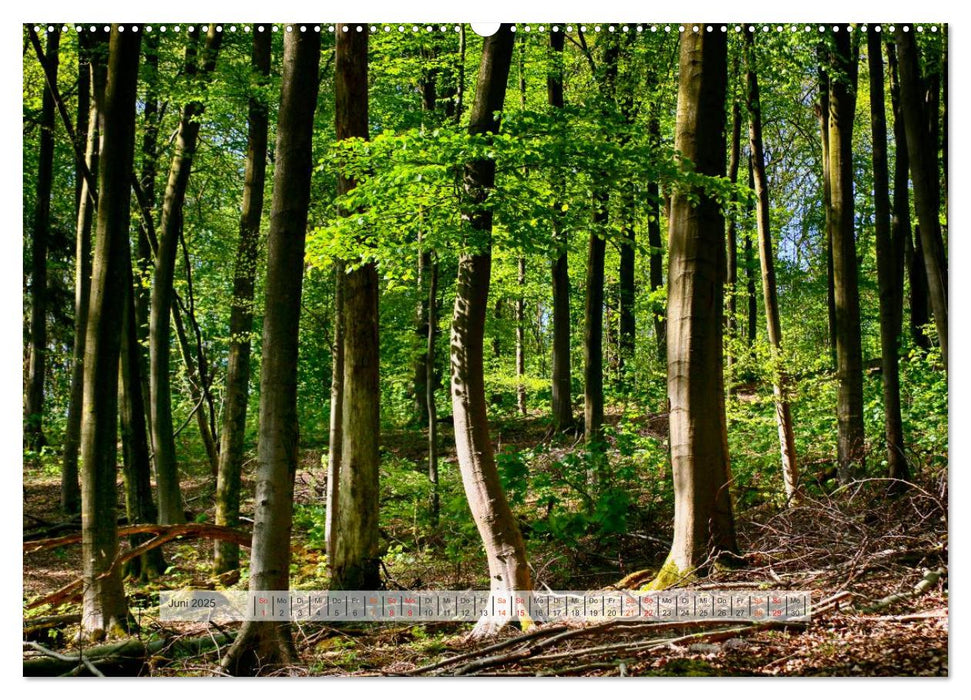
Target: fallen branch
207,530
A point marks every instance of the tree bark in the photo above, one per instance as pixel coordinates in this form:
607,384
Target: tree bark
336,439
265,645
562,383
823,111
94,64
657,248
34,406
105,609
849,355
752,311
890,299
521,337
241,317
731,268
134,438
430,388
924,171
503,543
783,411
628,290
355,565
166,466
703,520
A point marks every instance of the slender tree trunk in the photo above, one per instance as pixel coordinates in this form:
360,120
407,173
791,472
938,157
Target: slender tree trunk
70,487
521,338
752,312
336,440
34,406
105,609
144,253
430,388
419,388
503,543
923,170
703,520
166,466
886,266
355,564
657,248
627,285
593,392
265,645
137,455
900,233
241,317
849,355
823,111
562,383
783,412
731,278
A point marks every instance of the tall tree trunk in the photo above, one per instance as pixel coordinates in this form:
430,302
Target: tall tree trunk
503,543
752,310
593,331
628,247
849,354
430,388
521,337
166,466
703,520
823,112
890,299
562,389
94,64
924,172
144,253
731,268
335,442
265,645
783,412
104,609
241,317
657,247
34,406
593,392
355,564
134,438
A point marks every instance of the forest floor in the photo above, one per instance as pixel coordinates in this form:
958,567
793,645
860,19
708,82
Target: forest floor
876,565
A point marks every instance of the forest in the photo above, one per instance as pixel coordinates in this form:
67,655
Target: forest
650,309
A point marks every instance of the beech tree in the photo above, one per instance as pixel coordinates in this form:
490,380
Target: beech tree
849,354
355,550
501,538
34,403
105,610
241,319
267,644
783,412
166,467
704,524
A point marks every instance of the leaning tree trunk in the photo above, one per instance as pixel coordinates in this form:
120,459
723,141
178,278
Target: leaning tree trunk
355,565
849,354
924,172
105,610
900,233
703,520
70,488
166,466
504,546
890,297
265,645
241,318
783,412
34,405
562,390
